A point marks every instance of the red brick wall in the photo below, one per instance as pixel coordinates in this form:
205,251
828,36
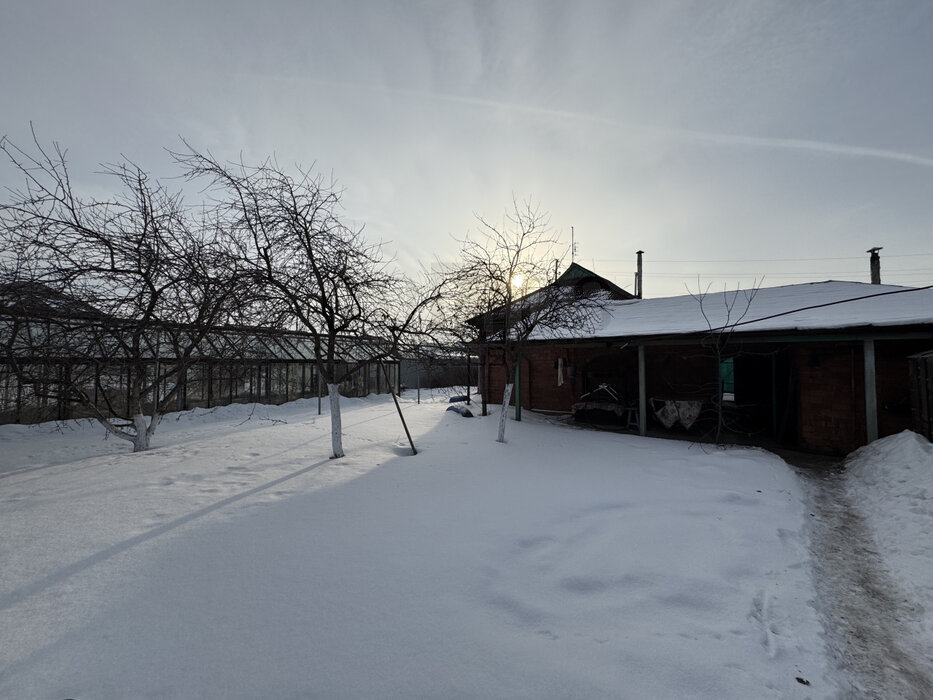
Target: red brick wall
893,384
544,394
495,378
829,379
831,397
539,388
681,372
831,392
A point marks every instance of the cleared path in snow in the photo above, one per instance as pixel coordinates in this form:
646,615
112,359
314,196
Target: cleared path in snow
868,619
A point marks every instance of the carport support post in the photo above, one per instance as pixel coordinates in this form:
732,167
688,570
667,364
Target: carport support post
518,390
642,391
469,378
774,401
871,398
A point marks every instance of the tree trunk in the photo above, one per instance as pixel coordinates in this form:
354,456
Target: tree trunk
506,397
154,421
336,434
141,439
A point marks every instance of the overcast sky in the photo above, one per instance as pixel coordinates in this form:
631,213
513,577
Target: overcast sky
744,138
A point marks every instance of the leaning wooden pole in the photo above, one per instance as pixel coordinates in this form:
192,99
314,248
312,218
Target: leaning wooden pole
398,408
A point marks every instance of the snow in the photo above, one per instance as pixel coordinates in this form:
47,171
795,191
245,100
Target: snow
766,309
891,481
235,560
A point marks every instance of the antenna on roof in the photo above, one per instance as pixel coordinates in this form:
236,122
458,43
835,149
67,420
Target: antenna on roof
573,246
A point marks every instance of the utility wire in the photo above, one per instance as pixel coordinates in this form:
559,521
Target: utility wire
746,260
820,306
918,272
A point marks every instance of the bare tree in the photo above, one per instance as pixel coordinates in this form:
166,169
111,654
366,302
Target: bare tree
722,322
507,278
314,269
134,282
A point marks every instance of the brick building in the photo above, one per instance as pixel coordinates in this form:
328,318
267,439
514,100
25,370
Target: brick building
822,367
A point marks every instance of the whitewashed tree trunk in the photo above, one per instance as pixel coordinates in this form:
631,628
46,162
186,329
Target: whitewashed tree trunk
506,397
141,433
141,439
336,429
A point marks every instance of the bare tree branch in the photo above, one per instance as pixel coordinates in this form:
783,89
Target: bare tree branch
134,282
508,292
311,268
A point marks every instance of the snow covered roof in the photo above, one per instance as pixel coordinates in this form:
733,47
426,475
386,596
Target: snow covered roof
830,305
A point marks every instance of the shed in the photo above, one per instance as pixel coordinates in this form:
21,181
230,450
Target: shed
820,366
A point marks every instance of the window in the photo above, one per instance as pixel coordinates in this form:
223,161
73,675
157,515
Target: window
727,379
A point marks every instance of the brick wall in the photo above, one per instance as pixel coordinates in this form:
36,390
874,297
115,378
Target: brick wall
675,372
831,393
831,397
892,373
539,374
829,381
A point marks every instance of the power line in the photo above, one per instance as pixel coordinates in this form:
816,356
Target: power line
748,260
918,272
820,306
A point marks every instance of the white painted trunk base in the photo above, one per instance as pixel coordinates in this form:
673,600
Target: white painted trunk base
141,439
506,397
336,428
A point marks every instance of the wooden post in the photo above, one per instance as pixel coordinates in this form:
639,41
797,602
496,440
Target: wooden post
181,398
19,401
483,381
642,393
469,376
518,390
64,382
774,398
871,397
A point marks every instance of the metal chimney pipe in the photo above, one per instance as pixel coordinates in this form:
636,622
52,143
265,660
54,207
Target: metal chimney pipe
874,263
639,275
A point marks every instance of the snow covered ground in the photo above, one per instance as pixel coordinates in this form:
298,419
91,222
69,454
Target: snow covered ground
234,560
891,483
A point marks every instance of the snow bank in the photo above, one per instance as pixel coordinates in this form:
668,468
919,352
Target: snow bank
890,482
